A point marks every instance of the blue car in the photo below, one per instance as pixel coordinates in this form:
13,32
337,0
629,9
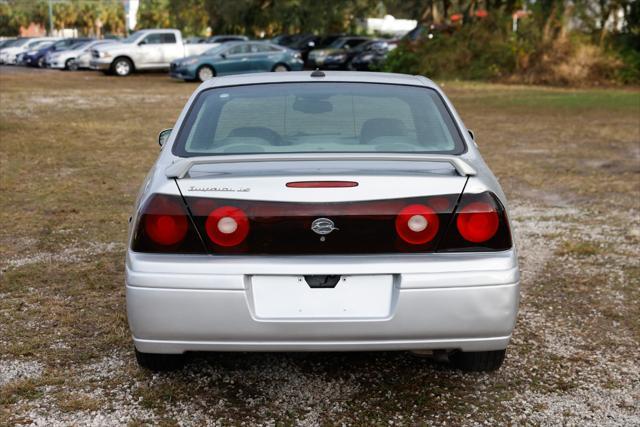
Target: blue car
37,58
236,58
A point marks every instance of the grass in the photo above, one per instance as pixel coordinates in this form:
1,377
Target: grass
74,147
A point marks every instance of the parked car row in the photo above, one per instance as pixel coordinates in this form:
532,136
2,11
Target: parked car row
197,59
339,51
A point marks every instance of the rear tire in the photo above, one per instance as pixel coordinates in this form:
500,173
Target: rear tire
477,361
122,67
205,73
68,64
41,63
159,362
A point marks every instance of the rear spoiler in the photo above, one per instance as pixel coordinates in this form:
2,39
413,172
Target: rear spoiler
181,167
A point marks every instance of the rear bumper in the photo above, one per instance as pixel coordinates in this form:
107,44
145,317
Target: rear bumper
207,305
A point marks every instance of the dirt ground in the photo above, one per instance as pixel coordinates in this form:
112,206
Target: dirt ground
74,148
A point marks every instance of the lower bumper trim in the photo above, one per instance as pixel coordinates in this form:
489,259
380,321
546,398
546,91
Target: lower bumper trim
177,347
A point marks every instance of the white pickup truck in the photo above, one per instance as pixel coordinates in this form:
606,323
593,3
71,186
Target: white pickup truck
144,50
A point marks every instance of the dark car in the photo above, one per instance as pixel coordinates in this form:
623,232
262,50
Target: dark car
373,57
195,40
305,43
337,51
37,57
340,59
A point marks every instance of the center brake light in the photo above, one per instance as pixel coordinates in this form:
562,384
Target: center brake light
322,184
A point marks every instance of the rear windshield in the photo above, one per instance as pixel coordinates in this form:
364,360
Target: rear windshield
317,118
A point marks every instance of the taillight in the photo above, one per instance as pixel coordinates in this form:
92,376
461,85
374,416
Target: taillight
417,224
480,223
477,222
227,226
164,226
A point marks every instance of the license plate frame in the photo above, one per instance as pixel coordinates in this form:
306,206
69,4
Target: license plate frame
290,297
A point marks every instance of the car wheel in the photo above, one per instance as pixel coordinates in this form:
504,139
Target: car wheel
205,73
477,361
69,64
159,362
122,67
41,63
278,68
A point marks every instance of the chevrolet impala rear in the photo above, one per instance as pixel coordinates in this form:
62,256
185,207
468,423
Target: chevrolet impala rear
321,212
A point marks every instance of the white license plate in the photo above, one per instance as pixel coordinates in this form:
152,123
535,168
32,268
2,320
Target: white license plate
289,297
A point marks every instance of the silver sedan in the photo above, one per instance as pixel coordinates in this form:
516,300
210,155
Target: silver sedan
318,211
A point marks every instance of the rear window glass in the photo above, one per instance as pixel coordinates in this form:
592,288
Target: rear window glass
318,117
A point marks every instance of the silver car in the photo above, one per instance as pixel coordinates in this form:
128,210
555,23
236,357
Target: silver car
313,211
72,57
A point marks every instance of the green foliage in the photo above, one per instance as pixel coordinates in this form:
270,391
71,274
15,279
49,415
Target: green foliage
80,14
484,50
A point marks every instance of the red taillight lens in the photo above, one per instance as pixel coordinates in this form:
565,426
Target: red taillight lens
477,222
164,226
227,226
417,224
166,223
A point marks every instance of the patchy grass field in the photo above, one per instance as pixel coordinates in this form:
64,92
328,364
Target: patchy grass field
75,146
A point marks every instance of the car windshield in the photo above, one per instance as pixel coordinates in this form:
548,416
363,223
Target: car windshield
318,117
132,38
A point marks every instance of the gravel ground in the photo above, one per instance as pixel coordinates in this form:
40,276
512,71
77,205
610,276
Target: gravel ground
65,354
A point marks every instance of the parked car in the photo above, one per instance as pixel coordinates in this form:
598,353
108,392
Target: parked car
8,55
305,43
69,59
83,58
236,58
224,38
38,58
320,212
372,58
21,58
317,57
195,40
143,50
282,39
339,59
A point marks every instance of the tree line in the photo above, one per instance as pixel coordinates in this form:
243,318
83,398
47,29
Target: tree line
269,17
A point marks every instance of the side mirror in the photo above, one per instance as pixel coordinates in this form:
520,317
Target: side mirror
223,55
163,136
471,134
142,42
